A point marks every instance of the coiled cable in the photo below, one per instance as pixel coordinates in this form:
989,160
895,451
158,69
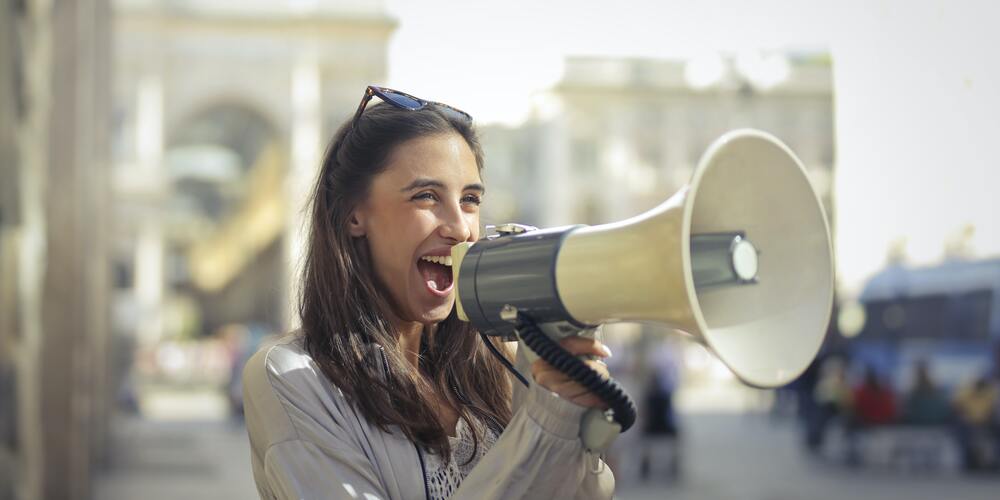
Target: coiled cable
608,390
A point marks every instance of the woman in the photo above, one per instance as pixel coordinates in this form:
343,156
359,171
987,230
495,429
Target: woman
384,393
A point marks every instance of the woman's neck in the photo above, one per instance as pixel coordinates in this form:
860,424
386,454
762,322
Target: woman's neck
408,338
409,335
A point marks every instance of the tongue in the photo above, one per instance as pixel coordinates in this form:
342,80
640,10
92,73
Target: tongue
436,276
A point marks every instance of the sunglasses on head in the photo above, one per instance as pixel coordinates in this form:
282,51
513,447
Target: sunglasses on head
403,100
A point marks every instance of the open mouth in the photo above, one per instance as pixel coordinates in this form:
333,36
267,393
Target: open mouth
436,272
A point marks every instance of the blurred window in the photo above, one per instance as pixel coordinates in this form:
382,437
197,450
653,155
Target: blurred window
965,316
968,315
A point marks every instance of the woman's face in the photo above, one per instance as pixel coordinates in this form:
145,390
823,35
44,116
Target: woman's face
423,203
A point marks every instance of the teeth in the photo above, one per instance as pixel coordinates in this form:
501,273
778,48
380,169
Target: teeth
443,260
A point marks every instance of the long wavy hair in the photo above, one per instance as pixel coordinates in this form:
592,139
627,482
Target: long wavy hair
342,305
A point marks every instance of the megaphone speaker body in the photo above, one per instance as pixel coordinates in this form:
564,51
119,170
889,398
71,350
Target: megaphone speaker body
645,269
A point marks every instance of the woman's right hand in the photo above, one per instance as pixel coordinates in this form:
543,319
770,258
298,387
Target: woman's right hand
558,382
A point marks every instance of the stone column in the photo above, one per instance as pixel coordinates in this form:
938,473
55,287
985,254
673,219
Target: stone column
557,180
149,248
54,307
75,322
305,158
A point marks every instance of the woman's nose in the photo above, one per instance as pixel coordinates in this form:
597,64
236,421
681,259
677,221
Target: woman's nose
454,226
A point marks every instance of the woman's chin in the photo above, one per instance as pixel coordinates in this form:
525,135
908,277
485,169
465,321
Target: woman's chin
437,313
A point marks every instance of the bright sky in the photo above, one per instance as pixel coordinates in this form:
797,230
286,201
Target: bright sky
490,56
916,91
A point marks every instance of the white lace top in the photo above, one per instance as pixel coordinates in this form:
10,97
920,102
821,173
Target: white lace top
442,477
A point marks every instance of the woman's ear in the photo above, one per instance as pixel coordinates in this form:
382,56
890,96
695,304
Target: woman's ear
356,224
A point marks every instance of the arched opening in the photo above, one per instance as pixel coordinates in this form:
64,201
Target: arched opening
226,165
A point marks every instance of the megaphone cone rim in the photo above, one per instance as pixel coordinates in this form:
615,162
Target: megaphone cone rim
704,164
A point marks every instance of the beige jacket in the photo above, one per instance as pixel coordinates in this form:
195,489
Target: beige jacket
307,442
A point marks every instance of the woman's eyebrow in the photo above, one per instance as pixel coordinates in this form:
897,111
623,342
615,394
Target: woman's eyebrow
424,182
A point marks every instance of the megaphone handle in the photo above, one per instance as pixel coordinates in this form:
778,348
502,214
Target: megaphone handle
597,429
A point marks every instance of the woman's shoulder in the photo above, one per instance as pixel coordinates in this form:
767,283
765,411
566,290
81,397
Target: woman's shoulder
283,366
282,354
286,395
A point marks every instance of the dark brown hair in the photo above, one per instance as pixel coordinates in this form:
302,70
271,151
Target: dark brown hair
342,304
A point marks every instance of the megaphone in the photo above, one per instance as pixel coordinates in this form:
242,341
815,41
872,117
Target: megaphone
740,259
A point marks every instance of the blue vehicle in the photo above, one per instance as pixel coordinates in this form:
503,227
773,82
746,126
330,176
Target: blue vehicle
945,318
947,314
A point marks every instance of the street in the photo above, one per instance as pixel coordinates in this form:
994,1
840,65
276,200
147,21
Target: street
725,456
751,457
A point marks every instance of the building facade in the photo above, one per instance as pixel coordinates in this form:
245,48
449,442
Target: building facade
155,157
618,136
222,112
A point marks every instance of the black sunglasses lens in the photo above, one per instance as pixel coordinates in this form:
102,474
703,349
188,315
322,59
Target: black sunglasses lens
403,101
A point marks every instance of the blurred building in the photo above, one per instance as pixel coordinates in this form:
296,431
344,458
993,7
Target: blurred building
55,387
221,113
617,136
198,130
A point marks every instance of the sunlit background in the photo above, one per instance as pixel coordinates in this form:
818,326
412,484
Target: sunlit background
155,157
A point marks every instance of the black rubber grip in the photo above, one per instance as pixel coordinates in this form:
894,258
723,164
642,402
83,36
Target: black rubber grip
621,404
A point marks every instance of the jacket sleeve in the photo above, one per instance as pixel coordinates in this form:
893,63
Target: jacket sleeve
295,455
300,469
539,454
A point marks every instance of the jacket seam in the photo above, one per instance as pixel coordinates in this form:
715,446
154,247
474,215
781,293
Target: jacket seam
423,473
306,441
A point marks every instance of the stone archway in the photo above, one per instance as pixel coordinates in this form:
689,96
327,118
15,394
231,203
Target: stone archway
226,165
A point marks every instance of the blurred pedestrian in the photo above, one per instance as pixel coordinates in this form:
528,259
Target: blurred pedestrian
975,406
660,430
873,404
926,403
832,399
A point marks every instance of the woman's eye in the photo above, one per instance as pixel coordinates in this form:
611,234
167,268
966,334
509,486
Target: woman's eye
426,196
472,198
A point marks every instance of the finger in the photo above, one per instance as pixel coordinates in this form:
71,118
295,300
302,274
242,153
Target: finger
545,378
600,368
578,394
575,345
569,389
590,400
551,378
579,346
566,386
541,366
554,377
